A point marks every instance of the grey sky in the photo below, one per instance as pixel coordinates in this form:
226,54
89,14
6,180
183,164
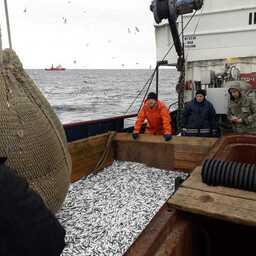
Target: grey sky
82,33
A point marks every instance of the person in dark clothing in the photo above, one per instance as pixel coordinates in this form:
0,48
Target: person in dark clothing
27,227
199,117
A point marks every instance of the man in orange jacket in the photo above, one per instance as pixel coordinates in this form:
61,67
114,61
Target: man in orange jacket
158,118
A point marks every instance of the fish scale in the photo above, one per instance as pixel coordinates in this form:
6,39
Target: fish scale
103,214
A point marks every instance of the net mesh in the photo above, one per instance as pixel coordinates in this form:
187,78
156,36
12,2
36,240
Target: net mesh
31,135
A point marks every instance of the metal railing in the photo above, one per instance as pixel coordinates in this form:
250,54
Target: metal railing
85,129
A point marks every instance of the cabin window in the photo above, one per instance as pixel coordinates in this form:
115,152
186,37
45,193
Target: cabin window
250,18
255,18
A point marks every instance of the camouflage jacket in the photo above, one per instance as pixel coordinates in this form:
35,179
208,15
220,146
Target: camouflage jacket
244,108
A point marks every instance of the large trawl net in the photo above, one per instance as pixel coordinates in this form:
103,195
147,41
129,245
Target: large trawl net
31,136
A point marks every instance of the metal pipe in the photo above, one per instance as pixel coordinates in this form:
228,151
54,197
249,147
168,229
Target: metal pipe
157,79
8,23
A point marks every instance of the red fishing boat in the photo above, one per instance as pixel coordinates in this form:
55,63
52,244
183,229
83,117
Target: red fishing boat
57,68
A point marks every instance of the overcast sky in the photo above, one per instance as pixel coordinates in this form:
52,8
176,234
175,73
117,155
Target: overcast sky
81,33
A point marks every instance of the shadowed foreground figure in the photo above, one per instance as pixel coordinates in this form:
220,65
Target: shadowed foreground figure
27,227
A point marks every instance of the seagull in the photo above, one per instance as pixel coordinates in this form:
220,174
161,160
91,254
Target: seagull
137,29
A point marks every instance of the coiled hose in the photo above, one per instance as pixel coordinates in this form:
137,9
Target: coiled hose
230,174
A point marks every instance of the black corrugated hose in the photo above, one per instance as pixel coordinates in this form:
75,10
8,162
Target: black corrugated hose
230,174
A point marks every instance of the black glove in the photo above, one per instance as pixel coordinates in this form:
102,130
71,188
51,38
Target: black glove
135,136
167,137
215,133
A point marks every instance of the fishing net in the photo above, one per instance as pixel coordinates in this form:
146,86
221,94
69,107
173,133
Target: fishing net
31,135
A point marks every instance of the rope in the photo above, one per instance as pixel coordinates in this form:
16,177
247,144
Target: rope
173,104
179,35
148,81
195,28
145,95
105,154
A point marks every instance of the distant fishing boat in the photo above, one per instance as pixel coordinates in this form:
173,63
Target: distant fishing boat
57,68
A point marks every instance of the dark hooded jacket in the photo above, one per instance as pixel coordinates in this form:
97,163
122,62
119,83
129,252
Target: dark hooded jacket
199,115
27,227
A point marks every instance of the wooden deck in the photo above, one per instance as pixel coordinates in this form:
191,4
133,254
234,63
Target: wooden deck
224,203
181,153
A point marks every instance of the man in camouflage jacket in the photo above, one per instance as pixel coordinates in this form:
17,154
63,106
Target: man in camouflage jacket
241,110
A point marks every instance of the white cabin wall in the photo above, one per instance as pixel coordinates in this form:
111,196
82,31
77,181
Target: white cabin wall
223,4
164,42
219,31
222,31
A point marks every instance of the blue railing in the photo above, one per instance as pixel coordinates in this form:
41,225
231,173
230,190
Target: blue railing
81,130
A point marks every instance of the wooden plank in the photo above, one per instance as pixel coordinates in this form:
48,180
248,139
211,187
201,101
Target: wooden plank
87,170
86,154
81,146
187,166
89,154
191,157
188,151
154,234
196,141
88,145
159,155
203,149
178,242
89,160
195,182
223,207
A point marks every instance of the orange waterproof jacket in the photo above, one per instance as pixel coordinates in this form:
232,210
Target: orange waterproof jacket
158,119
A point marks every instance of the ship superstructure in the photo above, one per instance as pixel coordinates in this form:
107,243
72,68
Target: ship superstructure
219,45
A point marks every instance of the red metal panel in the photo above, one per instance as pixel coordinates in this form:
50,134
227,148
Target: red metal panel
250,78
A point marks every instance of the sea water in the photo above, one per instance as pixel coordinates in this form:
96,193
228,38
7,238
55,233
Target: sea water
81,95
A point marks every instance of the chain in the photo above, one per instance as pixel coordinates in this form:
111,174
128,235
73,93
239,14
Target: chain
180,88
181,84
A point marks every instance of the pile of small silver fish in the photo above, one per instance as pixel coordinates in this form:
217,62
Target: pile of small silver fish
104,213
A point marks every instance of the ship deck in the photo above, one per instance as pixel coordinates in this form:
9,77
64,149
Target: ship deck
233,205
228,204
